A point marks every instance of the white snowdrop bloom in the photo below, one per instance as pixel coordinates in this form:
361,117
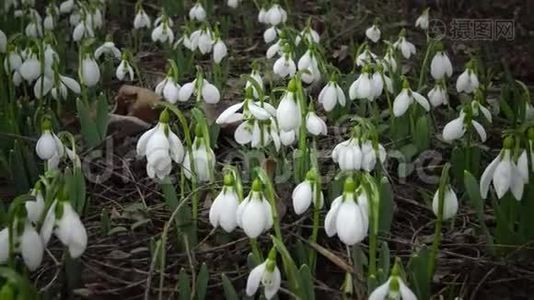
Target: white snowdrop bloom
169,89
456,128
49,23
438,96
108,48
197,12
370,155
162,33
467,82
405,47
440,66
478,108
505,174
205,42
362,87
256,76
30,68
309,35
393,288
310,68
35,209
285,66
450,203
28,244
268,275
276,15
68,228
95,19
34,29
274,49
161,146
304,194
348,155
348,217
141,20
124,71
262,16
366,57
209,92
270,34
49,146
219,51
4,245
389,63
373,33
203,159
3,42
315,125
74,18
224,207
423,20
288,112
330,95
288,138
82,31
254,213
66,7
405,98
42,86
232,3
89,71
62,85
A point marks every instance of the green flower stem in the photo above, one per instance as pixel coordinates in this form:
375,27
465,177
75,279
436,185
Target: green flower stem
256,252
422,74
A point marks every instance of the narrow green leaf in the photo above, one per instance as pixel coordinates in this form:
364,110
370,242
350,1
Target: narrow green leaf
422,133
306,278
419,277
386,206
202,282
89,130
184,285
229,290
289,266
475,199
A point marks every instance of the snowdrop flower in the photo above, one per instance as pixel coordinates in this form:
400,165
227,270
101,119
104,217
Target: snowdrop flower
35,208
304,194
310,67
141,20
368,86
219,51
315,125
422,21
49,147
161,146
505,174
274,49
95,19
3,42
123,70
288,138
232,3
254,213
74,18
450,203
89,71
354,154
108,48
373,33
163,33
262,16
438,95
34,28
209,92
66,7
440,66
393,288
49,22
169,89
30,68
270,34
224,207
405,98
68,228
268,275
203,158
276,15
366,57
256,76
82,30
456,128
348,217
389,63
467,82
285,66
288,111
406,48
197,12
330,95
309,35
30,245
205,42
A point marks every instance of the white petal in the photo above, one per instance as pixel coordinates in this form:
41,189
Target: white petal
254,219
454,129
231,110
480,130
143,141
243,134
302,197
254,279
210,93
401,103
350,224
4,245
31,248
405,291
186,91
381,292
421,100
331,217
258,112
487,176
276,280
502,178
